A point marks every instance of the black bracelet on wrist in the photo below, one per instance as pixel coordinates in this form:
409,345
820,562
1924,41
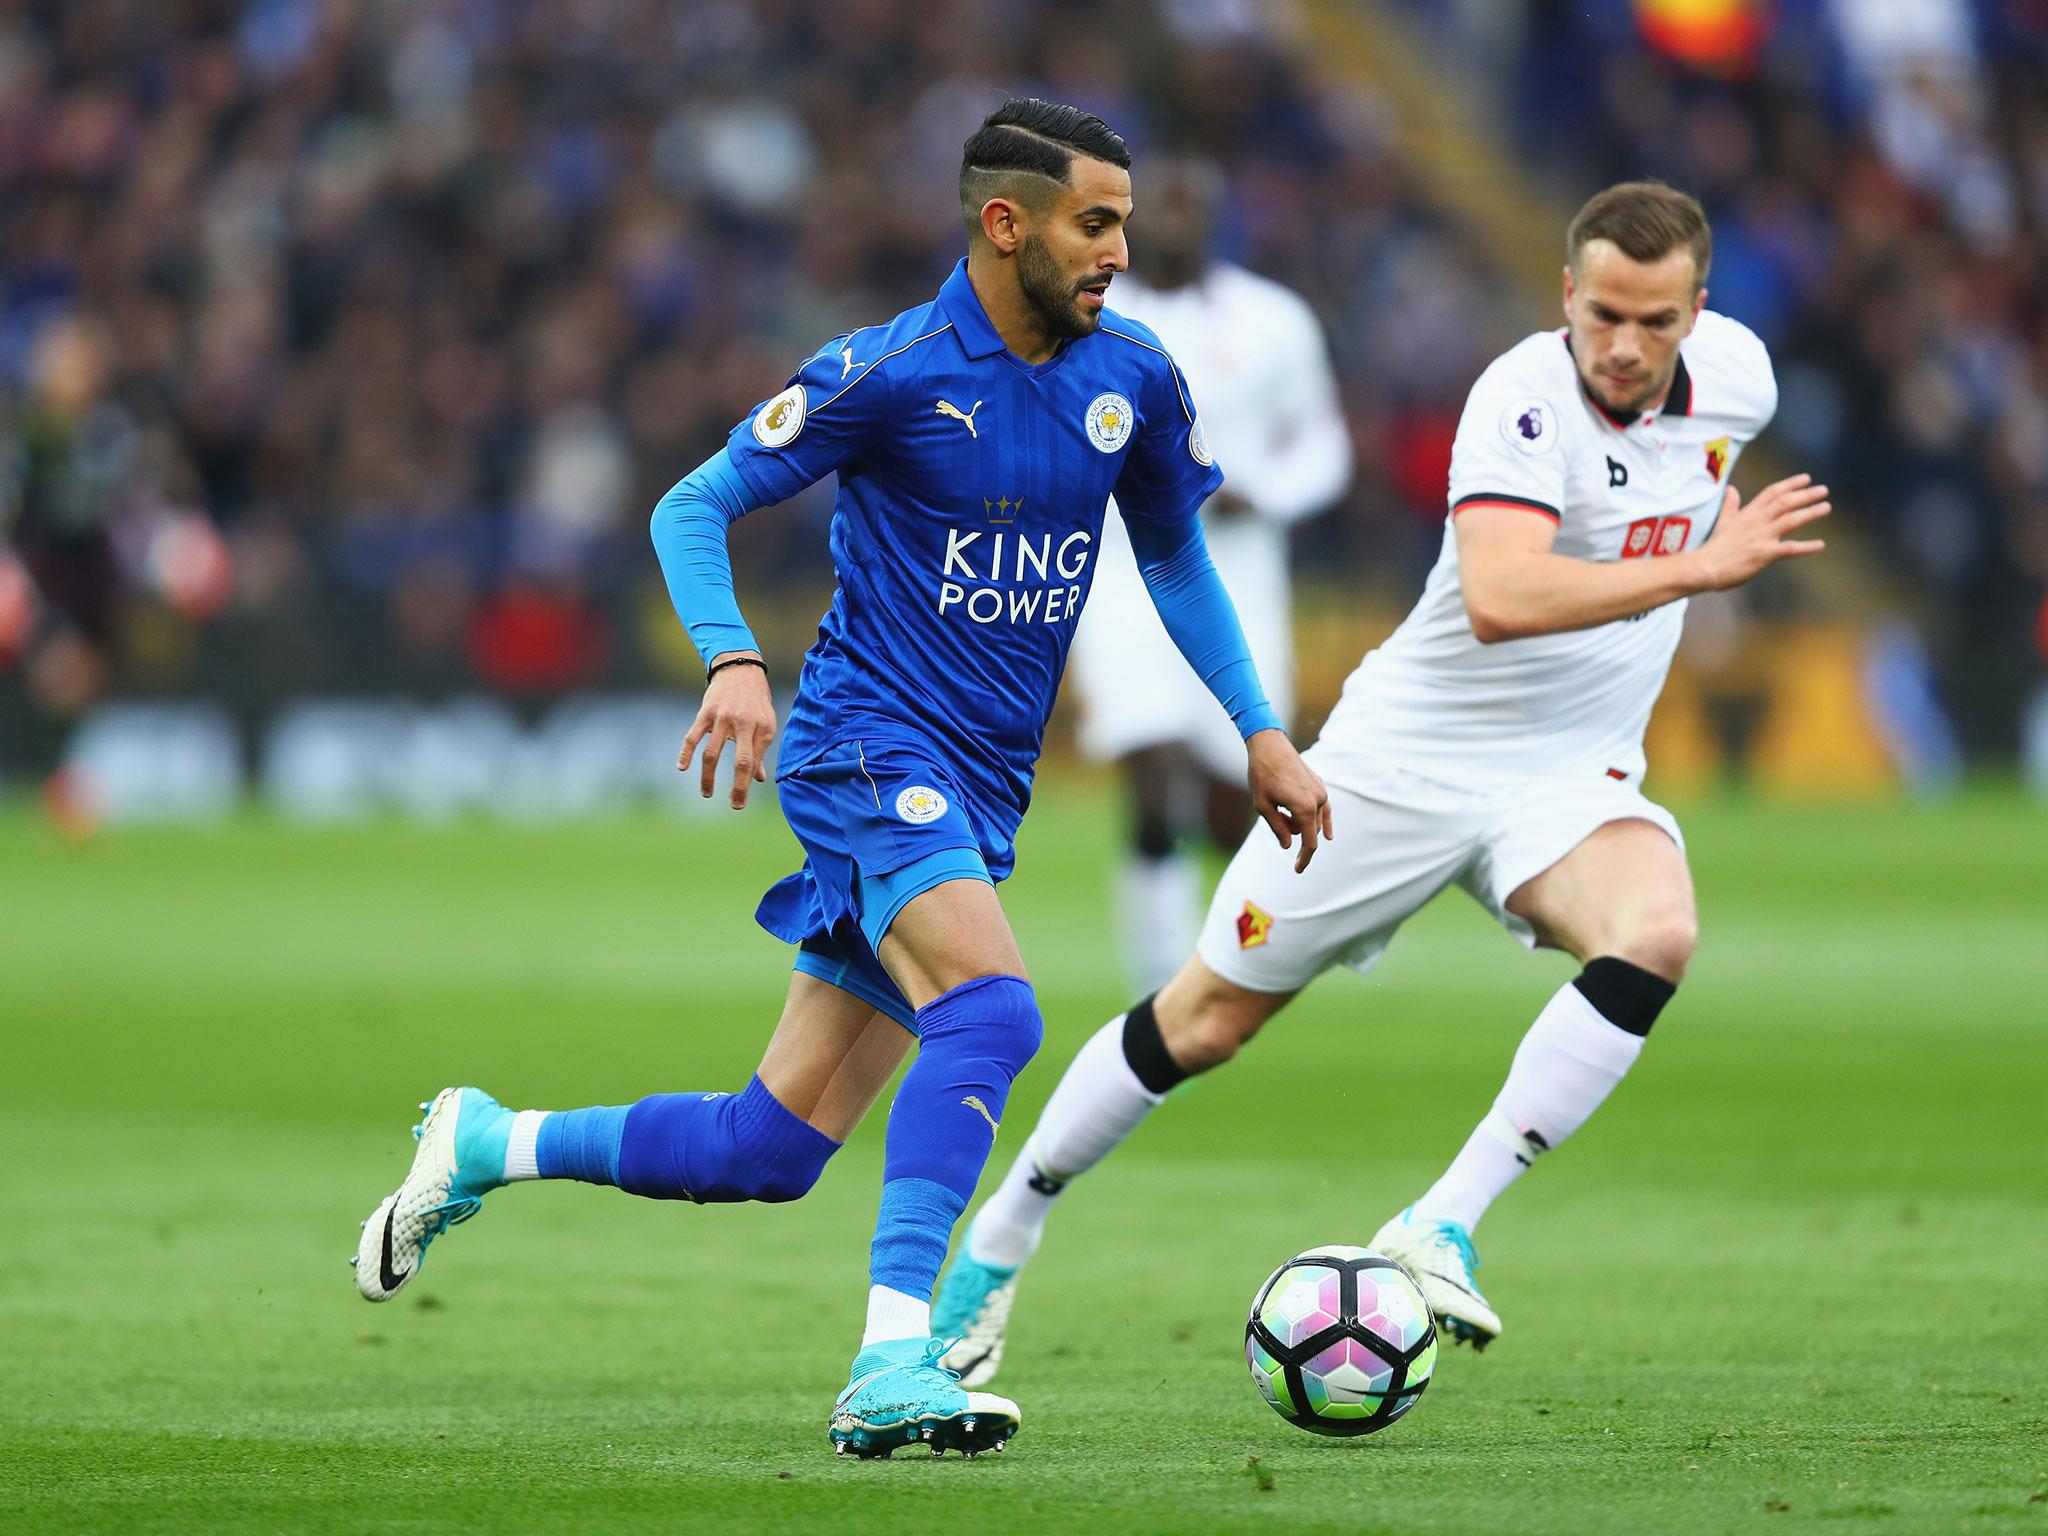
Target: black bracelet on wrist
733,661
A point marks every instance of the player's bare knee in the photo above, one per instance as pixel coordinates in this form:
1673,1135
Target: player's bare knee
1228,812
1661,940
1211,1037
1205,1020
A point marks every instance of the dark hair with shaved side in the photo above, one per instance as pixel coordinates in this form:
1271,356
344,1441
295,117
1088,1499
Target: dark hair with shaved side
1026,147
1646,221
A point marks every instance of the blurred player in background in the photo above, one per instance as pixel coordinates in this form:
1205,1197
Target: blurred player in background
1495,742
977,439
95,520
1255,357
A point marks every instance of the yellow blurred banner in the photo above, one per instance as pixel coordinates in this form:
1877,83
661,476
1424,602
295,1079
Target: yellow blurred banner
1788,714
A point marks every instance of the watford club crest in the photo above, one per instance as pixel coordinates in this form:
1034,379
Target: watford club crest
1717,458
1253,924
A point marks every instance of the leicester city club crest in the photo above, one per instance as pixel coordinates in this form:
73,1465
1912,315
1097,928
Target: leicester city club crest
919,804
1109,421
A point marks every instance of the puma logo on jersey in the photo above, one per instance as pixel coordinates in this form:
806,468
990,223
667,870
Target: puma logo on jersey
981,1109
846,361
965,418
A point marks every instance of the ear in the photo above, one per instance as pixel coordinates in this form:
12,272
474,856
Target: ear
1699,302
1567,292
1003,222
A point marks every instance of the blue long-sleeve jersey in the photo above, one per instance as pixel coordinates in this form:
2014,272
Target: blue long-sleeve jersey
972,489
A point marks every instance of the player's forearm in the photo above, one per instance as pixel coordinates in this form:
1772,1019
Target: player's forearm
1199,618
688,528
1546,594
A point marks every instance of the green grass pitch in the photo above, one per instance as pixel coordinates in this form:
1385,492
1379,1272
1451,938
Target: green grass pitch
1794,1277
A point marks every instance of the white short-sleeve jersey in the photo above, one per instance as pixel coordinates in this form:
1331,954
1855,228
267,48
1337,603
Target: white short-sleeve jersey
1436,701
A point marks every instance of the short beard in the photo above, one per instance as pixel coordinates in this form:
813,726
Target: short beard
1053,297
1643,397
1634,405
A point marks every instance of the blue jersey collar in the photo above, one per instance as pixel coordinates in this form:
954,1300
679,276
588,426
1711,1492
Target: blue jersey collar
977,333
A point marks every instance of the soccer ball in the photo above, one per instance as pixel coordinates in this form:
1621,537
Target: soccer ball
1340,1341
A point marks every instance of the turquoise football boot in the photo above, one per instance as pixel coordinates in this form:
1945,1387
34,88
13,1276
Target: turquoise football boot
1440,1258
461,1158
900,1395
971,1313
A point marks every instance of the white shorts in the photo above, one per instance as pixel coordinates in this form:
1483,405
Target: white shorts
1400,840
1135,688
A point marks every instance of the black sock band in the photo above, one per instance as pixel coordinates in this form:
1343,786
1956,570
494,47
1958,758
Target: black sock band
1152,839
1145,1050
1625,995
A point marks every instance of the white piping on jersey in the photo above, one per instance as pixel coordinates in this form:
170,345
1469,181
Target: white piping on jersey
869,368
1172,366
860,750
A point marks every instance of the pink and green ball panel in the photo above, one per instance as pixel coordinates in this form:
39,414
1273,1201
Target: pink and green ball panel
1347,1374
1269,1375
1391,1308
1303,1302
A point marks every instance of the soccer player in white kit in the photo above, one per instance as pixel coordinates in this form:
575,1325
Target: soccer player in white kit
1254,355
1494,743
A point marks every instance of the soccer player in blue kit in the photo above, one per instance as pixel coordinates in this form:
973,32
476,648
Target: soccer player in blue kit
978,439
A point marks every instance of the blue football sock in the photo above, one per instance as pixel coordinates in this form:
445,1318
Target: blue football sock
581,1144
718,1147
972,1043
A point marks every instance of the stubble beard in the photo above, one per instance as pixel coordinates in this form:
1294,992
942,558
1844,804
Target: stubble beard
1052,295
1635,403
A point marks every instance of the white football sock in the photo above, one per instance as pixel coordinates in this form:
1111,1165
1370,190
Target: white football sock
1493,1157
1096,1105
522,1157
1565,1066
895,1315
1161,908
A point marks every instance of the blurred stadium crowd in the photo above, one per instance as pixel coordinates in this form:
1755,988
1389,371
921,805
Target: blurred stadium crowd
345,344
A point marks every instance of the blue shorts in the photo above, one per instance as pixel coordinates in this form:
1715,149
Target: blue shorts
881,823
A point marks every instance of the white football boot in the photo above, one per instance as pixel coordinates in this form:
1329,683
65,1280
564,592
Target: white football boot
461,1158
1440,1257
970,1316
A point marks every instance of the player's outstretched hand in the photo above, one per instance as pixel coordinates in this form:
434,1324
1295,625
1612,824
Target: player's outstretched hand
1749,537
740,708
1289,795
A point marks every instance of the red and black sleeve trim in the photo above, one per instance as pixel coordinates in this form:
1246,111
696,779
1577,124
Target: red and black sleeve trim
1502,499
